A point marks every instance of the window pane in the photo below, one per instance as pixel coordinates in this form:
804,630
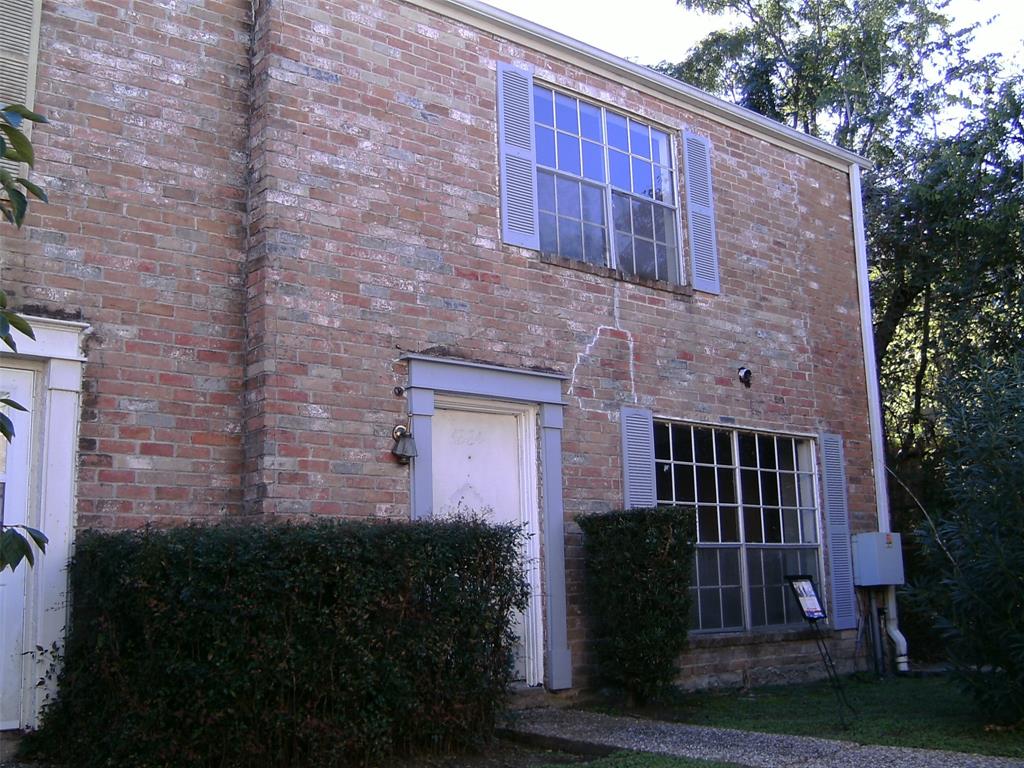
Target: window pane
639,139
618,167
769,489
749,486
706,485
710,610
766,451
704,446
543,106
643,221
643,256
662,147
545,191
723,447
755,567
593,161
684,484
787,490
590,121
620,215
661,261
808,526
729,565
772,527
593,205
730,525
732,608
617,134
752,529
681,447
643,178
662,440
748,450
624,253
664,189
784,445
569,154
726,486
773,604
565,114
663,476
594,245
548,233
545,146
568,193
707,524
707,567
570,239
791,526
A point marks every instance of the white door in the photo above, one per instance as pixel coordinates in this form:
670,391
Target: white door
485,464
14,486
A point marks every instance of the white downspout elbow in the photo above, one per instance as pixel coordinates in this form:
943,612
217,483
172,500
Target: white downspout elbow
874,407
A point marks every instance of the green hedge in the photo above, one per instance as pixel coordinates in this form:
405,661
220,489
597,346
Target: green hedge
325,644
638,566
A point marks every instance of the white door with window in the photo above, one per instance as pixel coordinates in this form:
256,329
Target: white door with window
485,465
14,586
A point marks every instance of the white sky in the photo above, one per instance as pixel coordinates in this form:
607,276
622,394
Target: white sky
650,31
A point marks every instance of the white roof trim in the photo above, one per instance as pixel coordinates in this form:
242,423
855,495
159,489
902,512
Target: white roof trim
524,32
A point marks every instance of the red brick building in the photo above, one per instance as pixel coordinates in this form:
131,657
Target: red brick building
278,230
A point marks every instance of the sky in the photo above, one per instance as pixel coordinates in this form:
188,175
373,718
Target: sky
660,30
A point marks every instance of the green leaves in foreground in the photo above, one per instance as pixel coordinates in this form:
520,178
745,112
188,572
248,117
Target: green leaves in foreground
15,546
15,146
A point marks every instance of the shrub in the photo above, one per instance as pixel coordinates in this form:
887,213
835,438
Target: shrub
977,547
638,567
325,644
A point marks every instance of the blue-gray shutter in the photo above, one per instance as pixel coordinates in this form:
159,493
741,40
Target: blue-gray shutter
700,213
837,532
517,158
638,458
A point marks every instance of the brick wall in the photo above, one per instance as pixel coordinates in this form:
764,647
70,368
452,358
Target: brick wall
257,237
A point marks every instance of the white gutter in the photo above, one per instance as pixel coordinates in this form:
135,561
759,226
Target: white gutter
874,405
527,33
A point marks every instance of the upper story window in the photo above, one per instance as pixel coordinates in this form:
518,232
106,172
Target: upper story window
593,185
605,187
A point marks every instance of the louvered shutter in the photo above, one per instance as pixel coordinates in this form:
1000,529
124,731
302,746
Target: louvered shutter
516,156
700,213
638,458
837,523
19,43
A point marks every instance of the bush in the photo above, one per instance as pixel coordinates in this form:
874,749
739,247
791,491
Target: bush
977,547
326,644
638,566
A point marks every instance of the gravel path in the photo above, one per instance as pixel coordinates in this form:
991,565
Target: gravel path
576,730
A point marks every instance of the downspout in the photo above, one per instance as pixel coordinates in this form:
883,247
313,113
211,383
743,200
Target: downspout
874,407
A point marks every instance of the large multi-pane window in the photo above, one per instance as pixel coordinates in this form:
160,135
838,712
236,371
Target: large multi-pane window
605,187
757,519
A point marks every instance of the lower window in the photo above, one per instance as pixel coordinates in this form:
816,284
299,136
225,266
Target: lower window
757,520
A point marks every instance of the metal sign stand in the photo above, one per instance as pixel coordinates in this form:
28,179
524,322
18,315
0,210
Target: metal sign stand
810,606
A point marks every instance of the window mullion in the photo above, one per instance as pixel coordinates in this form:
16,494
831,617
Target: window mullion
744,574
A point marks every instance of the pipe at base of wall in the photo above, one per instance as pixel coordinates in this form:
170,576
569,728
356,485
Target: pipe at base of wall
892,629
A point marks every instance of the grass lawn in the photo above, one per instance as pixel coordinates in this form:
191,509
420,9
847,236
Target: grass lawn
904,712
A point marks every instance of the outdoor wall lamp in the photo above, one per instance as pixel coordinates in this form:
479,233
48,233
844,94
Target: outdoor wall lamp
405,446
745,376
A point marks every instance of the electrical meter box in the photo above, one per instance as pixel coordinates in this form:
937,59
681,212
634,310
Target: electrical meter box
877,559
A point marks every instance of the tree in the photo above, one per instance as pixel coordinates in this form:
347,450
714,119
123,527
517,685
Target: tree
16,147
976,547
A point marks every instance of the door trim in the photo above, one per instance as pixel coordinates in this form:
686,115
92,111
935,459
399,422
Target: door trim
435,376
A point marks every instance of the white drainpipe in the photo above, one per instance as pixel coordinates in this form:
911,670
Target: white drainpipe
874,407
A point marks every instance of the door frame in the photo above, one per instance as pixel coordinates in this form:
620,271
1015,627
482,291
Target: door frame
57,358
436,377
529,514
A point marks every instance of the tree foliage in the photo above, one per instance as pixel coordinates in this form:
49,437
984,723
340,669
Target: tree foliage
976,547
15,147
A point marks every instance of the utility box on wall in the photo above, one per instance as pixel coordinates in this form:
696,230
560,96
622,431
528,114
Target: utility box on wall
877,559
